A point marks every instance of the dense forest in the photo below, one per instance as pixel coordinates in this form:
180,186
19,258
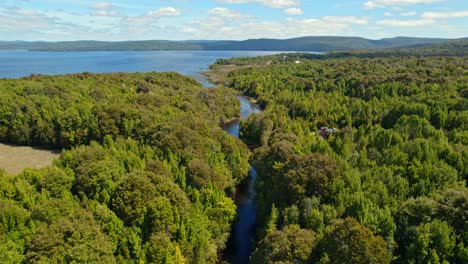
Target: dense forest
386,183
318,44
146,174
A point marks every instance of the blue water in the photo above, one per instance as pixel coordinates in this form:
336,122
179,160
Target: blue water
244,228
14,64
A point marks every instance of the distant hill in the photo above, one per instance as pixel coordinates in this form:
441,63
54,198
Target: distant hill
147,45
320,44
450,48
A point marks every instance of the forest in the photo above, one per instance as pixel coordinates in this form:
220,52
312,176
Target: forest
312,43
386,183
146,174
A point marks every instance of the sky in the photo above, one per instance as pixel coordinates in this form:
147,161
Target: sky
117,20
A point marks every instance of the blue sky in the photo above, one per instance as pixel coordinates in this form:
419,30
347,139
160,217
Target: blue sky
54,20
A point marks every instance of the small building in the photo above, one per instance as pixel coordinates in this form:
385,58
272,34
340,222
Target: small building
325,131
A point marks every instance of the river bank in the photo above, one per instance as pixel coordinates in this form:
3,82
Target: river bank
240,244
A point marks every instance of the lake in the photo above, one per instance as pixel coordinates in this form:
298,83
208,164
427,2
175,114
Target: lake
14,64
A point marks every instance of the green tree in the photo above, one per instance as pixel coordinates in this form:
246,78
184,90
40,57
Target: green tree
291,245
70,240
349,242
434,243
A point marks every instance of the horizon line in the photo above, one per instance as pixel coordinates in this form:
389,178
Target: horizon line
223,40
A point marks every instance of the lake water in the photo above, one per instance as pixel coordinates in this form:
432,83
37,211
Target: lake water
14,64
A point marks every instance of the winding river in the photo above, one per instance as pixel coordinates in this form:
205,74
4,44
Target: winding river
244,229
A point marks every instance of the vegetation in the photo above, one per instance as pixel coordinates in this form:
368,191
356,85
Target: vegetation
389,186
318,44
147,175
144,45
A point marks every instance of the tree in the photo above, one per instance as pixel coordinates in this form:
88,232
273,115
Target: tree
309,175
68,240
133,198
290,245
434,243
57,182
349,242
160,249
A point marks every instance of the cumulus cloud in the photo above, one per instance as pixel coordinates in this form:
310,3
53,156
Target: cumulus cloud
110,21
225,12
293,11
42,25
392,3
103,6
103,23
427,18
138,26
405,23
164,11
25,19
104,9
267,3
347,19
408,14
435,15
216,26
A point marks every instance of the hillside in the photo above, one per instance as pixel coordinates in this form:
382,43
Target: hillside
149,45
319,44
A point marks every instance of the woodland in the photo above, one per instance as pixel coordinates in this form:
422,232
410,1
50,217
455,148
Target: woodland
147,175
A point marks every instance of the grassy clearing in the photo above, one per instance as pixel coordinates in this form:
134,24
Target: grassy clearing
219,73
14,159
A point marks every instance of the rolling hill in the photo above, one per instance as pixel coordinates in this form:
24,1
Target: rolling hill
319,44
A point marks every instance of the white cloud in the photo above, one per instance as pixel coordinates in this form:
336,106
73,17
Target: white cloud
140,26
104,9
103,23
225,12
392,3
293,11
103,5
435,15
408,14
25,19
164,12
405,23
267,3
57,25
219,27
346,19
110,21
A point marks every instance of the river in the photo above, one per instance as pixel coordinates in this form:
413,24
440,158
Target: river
244,229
